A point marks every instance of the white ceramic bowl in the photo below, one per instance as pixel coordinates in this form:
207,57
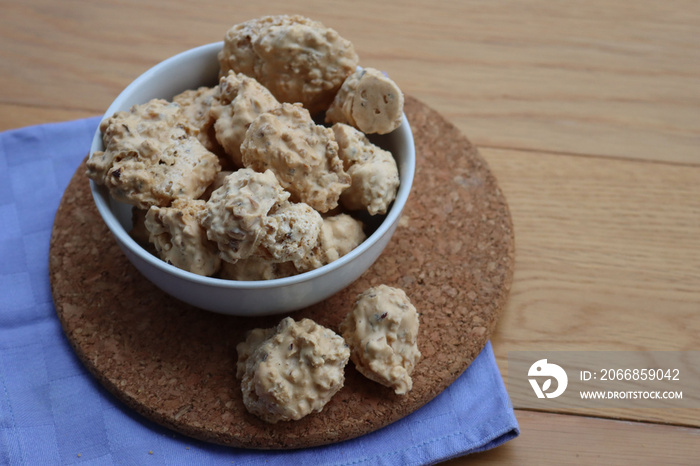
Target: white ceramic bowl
199,67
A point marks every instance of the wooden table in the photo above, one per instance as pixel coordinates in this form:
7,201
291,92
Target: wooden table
587,112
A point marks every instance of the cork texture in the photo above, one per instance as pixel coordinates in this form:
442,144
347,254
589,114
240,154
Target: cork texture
453,254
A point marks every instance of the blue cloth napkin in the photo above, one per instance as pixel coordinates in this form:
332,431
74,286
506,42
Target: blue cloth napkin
53,412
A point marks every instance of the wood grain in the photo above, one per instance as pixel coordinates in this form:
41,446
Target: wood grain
591,78
607,253
607,259
584,440
586,111
16,116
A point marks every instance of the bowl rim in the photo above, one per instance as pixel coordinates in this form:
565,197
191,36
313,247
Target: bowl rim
101,198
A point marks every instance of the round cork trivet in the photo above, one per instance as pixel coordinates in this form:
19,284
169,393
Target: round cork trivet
175,364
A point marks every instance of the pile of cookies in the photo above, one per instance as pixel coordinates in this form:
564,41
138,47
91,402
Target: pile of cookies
238,180
294,369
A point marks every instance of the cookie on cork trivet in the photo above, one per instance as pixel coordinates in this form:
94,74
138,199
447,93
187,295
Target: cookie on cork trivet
174,364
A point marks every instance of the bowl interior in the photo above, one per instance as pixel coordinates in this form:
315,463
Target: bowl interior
199,67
